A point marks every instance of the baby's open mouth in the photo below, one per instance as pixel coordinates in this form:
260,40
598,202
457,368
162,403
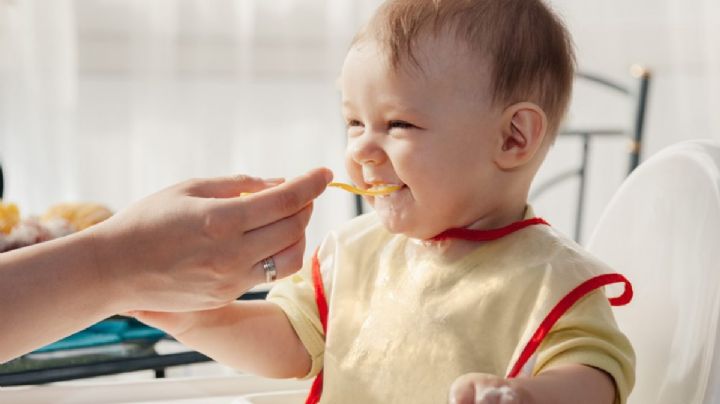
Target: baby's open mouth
376,190
383,190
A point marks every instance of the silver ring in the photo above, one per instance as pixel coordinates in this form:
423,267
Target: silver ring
270,269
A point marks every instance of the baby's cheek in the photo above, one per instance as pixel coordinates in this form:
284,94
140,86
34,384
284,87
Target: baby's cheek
352,168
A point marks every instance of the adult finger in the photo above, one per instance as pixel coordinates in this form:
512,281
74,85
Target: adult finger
229,187
283,200
274,237
287,262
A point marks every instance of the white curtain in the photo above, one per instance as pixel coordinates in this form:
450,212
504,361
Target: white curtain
109,100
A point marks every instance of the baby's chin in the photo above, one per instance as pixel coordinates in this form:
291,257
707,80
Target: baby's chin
406,227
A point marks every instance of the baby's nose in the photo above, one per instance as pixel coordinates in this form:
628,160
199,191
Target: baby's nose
365,150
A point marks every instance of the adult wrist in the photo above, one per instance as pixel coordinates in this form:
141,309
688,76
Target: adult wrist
107,263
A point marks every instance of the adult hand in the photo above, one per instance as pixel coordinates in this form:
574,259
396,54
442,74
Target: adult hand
199,244
192,246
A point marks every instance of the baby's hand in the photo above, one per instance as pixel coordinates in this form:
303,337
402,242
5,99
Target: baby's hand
480,388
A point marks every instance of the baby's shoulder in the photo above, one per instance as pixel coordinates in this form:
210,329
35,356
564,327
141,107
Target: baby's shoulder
553,255
568,253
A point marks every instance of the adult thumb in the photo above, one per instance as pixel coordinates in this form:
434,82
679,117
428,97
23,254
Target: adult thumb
229,187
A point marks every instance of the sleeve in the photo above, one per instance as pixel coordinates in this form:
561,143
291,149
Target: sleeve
588,335
295,295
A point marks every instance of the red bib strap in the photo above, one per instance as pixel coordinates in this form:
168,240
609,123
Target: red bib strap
488,235
320,299
564,305
322,306
315,390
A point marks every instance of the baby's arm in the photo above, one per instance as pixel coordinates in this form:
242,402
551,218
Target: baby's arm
253,336
559,385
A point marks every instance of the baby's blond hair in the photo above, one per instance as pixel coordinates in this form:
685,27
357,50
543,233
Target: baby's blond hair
529,48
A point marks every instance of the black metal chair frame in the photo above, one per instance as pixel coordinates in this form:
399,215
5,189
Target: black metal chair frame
636,138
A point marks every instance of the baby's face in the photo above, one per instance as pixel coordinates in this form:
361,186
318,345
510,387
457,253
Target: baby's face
430,130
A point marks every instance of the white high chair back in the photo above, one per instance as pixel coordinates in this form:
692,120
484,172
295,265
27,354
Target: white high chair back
662,231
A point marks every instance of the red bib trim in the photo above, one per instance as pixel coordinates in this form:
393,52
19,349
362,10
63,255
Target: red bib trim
564,305
321,302
320,298
488,235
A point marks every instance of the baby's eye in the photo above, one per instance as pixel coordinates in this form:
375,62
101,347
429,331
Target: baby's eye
353,123
400,125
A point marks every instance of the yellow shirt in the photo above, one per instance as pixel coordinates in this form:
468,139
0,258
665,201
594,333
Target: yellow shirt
402,326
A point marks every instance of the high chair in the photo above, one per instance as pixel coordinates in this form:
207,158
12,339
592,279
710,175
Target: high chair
662,231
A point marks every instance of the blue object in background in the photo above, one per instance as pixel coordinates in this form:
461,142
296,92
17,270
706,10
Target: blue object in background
110,331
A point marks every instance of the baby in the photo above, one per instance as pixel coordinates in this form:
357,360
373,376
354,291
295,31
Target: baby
452,287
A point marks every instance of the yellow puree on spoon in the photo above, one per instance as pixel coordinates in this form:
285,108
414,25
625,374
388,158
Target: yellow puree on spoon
375,191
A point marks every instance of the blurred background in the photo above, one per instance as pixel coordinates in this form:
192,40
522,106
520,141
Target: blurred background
110,100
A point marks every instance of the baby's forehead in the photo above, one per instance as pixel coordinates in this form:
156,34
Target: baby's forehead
443,61
433,73
426,55
445,50
407,40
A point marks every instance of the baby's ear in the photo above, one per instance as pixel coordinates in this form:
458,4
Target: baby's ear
523,129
